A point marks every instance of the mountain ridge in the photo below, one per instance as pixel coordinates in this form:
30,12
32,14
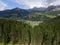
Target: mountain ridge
18,13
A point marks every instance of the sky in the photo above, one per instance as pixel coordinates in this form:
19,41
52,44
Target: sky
26,4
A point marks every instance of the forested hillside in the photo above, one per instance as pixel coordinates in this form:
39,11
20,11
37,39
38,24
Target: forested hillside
13,32
20,33
39,16
48,33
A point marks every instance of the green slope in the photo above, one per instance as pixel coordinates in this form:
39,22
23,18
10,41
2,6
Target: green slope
12,32
48,32
39,16
15,33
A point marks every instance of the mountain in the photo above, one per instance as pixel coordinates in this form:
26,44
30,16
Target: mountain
14,12
50,8
54,10
38,16
46,9
34,14
43,14
41,9
57,8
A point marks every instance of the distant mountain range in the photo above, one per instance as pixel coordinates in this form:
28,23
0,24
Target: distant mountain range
35,14
15,11
44,9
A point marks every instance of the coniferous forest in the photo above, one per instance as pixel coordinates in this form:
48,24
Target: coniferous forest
29,22
19,33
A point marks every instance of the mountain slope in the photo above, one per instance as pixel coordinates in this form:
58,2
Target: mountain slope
48,32
35,14
14,12
39,16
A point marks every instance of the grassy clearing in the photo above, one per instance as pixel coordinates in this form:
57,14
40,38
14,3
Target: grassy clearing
7,44
48,15
1,43
34,23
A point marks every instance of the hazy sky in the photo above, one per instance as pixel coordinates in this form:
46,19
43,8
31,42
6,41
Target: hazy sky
25,4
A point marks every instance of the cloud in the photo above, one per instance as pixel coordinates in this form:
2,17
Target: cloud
30,3
37,3
56,2
3,6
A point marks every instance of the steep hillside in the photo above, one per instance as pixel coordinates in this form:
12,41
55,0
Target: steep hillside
34,14
17,33
14,13
39,16
12,32
48,32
